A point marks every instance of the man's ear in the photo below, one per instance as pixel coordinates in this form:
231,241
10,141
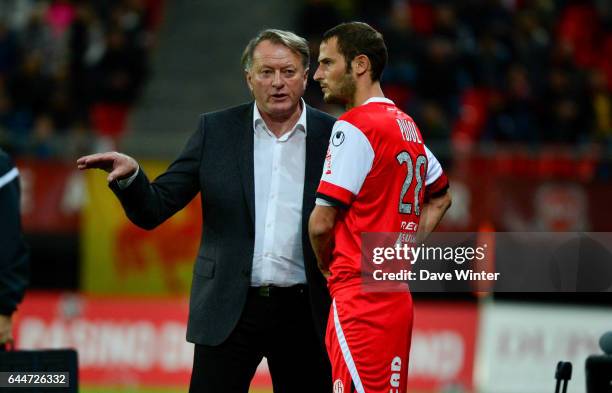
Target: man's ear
361,64
306,78
247,77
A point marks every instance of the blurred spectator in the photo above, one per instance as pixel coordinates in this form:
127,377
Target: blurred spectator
434,121
42,142
314,18
59,16
564,118
61,106
493,70
120,74
86,45
29,87
511,118
38,36
601,106
8,50
67,66
531,44
438,74
401,46
491,60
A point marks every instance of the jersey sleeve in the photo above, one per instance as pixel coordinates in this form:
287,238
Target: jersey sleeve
436,182
347,163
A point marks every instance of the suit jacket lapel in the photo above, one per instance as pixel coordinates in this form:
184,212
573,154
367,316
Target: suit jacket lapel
316,146
245,161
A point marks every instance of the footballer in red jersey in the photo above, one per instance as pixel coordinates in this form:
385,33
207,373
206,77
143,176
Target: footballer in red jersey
378,176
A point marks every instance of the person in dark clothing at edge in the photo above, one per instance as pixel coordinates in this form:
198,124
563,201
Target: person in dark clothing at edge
14,255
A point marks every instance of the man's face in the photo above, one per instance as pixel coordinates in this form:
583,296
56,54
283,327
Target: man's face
277,79
337,82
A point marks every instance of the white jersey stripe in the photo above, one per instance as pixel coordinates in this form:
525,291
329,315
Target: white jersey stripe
346,353
8,177
434,169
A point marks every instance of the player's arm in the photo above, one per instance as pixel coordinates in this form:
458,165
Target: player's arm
437,197
431,214
320,230
349,160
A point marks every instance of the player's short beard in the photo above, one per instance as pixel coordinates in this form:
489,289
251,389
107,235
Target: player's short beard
346,91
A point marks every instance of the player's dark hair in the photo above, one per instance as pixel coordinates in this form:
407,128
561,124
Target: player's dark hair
358,38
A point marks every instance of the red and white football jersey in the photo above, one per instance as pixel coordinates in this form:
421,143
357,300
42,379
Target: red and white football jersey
378,168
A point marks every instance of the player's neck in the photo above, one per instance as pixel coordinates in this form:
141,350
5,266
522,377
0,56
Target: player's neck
364,93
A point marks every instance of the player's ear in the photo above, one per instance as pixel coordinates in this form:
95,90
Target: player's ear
361,64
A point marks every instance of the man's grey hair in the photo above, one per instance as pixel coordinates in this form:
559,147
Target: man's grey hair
291,40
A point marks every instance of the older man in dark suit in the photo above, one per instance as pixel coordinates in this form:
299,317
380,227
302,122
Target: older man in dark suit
256,288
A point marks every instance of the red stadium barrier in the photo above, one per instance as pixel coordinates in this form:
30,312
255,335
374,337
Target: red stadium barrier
51,196
141,341
127,341
443,346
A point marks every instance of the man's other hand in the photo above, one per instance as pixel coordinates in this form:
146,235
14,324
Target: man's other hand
6,329
119,166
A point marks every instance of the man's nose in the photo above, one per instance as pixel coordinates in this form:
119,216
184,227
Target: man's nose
278,80
317,75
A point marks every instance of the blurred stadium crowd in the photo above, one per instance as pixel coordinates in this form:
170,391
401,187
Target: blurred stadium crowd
69,67
531,72
511,71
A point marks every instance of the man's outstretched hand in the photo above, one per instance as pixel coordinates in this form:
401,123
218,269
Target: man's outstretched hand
119,166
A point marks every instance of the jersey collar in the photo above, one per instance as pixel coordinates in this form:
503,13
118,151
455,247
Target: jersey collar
379,99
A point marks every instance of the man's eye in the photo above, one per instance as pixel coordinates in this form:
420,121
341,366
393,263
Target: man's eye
266,72
289,72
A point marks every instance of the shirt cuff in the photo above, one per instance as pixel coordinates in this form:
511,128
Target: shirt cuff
323,202
329,190
125,183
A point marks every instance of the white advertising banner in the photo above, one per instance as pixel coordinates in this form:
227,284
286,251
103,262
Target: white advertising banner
520,345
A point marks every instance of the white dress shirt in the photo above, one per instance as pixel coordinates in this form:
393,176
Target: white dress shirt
279,165
279,169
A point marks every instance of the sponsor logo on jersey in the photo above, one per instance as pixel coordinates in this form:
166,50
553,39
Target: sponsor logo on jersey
338,386
328,162
338,138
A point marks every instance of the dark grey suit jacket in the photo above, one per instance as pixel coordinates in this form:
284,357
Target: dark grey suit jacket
218,162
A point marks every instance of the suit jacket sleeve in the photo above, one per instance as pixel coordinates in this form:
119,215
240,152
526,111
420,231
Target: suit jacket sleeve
14,256
148,204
